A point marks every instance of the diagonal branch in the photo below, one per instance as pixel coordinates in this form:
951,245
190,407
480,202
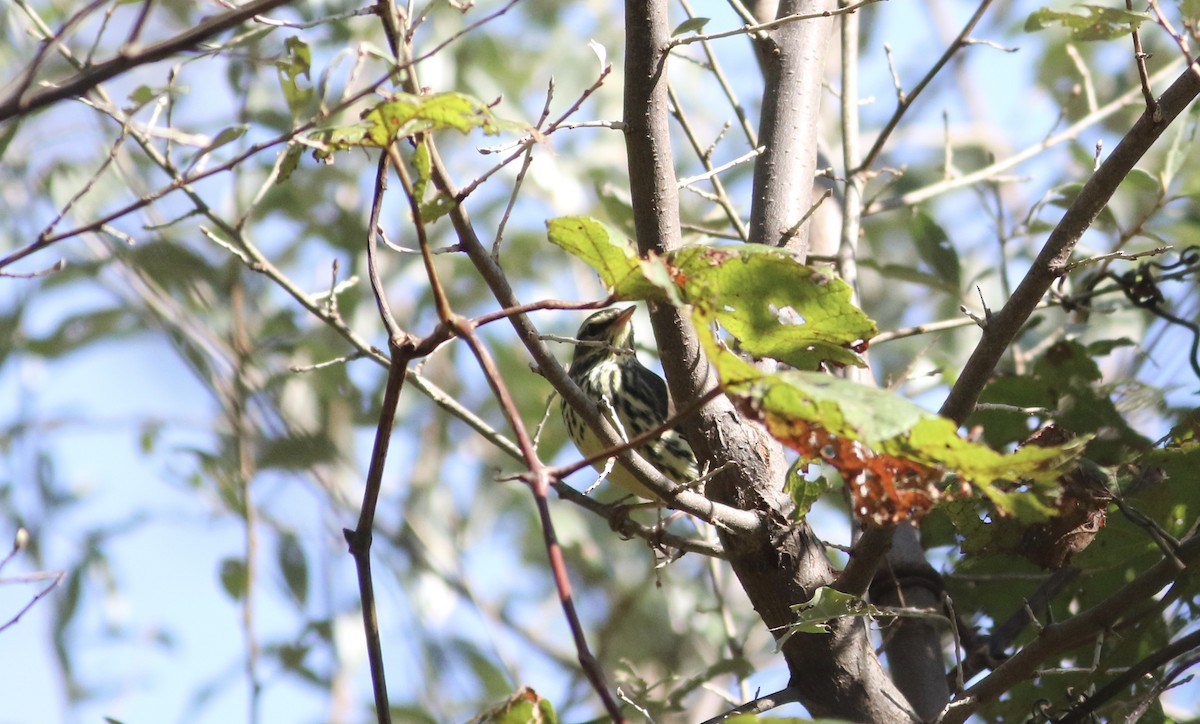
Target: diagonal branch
904,101
19,103
1119,684
1058,638
992,170
1051,263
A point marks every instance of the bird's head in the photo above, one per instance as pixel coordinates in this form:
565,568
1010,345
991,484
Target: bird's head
609,327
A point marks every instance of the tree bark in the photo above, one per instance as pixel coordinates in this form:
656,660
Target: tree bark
836,674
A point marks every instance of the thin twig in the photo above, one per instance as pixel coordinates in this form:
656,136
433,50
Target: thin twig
763,27
713,171
992,170
1051,263
1079,629
718,72
525,164
534,137
760,705
722,197
19,103
395,334
1089,88
541,478
1181,41
905,101
1139,57
57,579
359,539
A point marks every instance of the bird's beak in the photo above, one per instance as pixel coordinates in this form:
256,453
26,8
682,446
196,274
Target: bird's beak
624,317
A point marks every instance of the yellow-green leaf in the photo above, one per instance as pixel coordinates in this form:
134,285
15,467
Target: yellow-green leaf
613,257
775,306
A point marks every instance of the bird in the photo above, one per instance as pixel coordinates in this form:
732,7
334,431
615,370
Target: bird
606,368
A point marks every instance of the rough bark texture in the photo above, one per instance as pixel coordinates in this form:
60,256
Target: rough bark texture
837,674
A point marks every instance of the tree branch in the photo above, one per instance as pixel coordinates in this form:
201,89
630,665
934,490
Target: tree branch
793,58
904,101
1057,638
780,565
19,103
1004,325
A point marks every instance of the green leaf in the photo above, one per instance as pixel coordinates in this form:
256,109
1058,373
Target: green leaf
1065,195
297,452
690,25
441,204
613,257
1095,22
1083,405
149,435
233,577
1174,502
424,168
828,604
292,657
722,667
142,95
906,273
934,442
1102,347
775,306
437,207
523,707
1178,152
615,202
299,55
805,492
294,566
869,434
291,160
225,137
297,63
1143,180
7,135
407,115
340,138
935,249
82,330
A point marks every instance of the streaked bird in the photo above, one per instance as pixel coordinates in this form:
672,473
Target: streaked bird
607,370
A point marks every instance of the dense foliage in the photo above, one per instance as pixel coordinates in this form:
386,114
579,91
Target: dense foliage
950,387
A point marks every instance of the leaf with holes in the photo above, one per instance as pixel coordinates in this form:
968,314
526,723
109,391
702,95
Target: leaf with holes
898,459
406,115
775,306
1095,22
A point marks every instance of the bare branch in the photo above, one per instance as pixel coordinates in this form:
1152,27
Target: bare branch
991,171
1052,262
772,25
19,103
1057,638
904,101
